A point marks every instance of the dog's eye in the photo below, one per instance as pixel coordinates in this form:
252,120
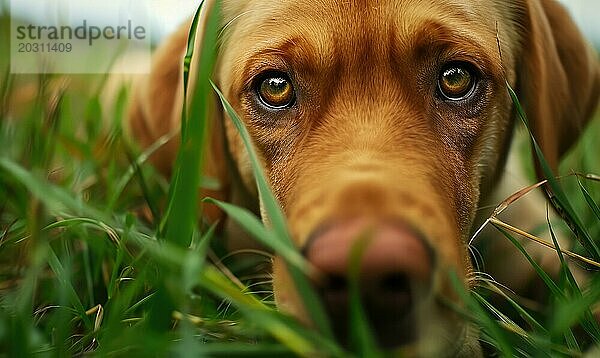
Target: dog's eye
276,91
457,81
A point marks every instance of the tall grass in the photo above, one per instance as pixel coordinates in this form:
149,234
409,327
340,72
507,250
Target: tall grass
99,254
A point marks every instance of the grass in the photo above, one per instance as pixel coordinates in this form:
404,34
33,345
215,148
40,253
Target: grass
99,254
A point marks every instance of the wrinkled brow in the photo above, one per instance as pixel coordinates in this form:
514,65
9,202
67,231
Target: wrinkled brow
294,54
439,41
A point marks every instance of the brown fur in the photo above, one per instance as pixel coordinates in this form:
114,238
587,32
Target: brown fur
368,136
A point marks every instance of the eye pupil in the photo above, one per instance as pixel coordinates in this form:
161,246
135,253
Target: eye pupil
456,82
276,91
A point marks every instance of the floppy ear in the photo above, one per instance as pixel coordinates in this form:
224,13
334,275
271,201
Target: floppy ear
559,79
155,113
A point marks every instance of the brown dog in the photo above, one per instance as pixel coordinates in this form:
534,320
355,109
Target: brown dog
386,117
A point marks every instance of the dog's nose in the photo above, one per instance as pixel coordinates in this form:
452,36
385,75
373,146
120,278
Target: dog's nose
394,271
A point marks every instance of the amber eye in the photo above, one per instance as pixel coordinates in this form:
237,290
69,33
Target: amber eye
276,91
457,81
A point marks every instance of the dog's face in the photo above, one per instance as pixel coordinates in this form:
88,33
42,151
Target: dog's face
384,116
395,99
380,125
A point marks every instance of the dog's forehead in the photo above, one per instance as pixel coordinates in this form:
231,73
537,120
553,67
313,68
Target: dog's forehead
364,41
356,16
386,27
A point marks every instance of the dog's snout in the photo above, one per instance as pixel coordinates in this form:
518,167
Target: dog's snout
395,269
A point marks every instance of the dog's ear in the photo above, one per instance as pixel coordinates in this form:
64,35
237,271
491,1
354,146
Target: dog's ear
155,105
155,114
559,77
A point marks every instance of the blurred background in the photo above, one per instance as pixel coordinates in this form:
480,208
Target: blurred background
166,15
587,15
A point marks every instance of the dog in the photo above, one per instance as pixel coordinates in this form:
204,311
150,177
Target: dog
387,117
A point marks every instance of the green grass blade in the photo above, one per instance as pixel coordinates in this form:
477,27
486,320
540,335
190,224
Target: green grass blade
575,294
55,198
572,311
134,168
589,200
585,316
491,327
559,198
253,226
540,272
526,316
293,337
276,218
360,330
278,223
182,213
65,284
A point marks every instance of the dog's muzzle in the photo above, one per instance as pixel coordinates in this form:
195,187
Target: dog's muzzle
394,272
